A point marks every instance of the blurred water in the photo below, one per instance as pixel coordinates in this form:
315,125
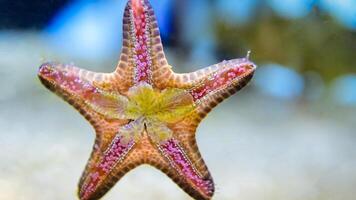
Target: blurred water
256,147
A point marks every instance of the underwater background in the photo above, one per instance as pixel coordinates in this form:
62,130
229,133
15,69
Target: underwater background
289,135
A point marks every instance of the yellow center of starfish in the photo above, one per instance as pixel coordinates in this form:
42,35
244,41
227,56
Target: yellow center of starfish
156,109
168,106
146,107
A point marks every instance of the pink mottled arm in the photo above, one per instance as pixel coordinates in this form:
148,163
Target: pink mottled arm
194,178
104,164
142,51
212,85
182,160
83,89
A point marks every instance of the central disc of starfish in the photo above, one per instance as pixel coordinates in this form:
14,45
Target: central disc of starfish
148,109
170,105
143,112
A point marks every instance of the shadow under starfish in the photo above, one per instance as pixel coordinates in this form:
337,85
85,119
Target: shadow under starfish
143,112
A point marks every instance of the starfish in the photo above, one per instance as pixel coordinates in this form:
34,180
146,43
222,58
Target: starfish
143,112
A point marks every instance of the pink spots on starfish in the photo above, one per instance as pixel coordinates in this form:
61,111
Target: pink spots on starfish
113,155
183,165
220,79
67,78
142,55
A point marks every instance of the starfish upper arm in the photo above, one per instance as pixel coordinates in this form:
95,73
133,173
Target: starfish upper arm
142,53
212,85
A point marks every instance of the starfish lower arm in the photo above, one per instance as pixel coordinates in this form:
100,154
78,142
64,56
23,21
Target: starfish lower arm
179,160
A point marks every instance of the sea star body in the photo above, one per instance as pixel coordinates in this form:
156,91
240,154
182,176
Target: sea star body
143,112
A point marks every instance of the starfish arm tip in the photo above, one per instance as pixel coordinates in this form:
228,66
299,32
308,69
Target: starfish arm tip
187,169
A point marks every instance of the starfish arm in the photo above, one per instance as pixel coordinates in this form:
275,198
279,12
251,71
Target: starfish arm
109,159
217,83
184,80
143,151
85,90
189,80
182,160
142,51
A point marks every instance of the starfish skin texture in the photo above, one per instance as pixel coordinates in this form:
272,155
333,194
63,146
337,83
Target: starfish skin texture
143,112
